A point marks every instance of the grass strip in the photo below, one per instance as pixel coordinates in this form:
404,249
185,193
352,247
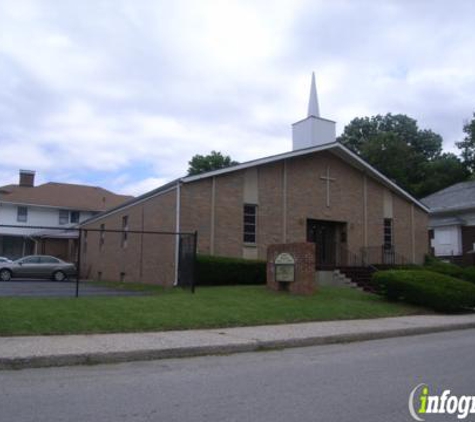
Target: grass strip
176,309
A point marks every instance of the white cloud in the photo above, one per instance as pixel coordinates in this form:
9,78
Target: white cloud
140,187
111,91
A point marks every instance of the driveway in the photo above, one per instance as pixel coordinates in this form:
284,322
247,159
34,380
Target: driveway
46,288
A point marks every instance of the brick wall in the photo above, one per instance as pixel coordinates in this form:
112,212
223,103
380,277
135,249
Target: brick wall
375,214
228,226
305,199
288,193
146,258
270,216
304,256
421,220
468,239
195,206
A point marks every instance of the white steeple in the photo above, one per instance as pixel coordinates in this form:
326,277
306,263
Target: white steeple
313,109
313,130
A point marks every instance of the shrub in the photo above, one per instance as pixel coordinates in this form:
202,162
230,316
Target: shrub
438,266
469,274
426,288
220,271
430,259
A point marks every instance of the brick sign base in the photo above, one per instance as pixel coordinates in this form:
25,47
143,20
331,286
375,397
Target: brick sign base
304,255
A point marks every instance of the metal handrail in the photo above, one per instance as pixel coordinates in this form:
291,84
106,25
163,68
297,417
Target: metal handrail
370,256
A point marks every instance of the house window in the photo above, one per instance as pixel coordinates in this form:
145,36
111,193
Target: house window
22,214
102,236
74,217
250,212
63,216
125,228
388,233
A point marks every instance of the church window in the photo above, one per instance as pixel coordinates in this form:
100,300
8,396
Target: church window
388,233
102,236
250,213
125,229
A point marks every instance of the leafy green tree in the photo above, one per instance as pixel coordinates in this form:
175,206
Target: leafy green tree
393,158
467,146
361,129
428,144
213,161
409,156
440,173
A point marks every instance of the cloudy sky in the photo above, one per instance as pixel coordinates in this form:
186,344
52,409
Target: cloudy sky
122,93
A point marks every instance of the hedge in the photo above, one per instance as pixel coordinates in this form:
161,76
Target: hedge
426,288
438,266
221,271
469,274
451,270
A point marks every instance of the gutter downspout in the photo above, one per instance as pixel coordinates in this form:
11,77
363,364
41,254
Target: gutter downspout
177,231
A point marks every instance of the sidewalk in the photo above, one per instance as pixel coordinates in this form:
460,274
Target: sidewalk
47,351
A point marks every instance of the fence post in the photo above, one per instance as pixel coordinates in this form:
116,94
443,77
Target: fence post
78,272
193,269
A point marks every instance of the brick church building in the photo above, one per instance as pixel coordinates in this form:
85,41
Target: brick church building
319,192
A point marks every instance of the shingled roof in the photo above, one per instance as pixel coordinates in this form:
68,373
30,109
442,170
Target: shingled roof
460,196
64,195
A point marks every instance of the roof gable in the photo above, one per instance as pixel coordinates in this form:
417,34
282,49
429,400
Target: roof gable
334,147
460,196
62,195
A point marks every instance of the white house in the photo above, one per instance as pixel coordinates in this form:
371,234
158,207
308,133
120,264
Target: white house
452,222
31,217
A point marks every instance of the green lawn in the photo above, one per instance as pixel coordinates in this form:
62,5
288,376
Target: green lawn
178,309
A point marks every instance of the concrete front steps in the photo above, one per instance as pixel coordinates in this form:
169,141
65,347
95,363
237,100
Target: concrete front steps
334,278
355,277
360,275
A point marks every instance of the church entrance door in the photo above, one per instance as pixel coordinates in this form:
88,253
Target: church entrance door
327,236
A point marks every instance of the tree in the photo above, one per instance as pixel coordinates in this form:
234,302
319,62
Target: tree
409,156
428,144
360,130
213,161
444,171
467,146
391,157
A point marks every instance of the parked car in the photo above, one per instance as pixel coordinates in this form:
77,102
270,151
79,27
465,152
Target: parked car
4,259
37,266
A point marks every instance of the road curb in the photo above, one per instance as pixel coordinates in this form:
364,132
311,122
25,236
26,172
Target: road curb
364,336
250,345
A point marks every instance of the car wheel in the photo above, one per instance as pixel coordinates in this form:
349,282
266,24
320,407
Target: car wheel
59,276
5,275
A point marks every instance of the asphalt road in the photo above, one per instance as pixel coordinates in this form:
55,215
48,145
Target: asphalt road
47,288
368,381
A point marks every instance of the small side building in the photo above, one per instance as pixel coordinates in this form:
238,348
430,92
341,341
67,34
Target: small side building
452,223
319,192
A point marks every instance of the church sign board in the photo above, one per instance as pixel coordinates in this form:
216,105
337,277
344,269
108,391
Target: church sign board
284,268
291,267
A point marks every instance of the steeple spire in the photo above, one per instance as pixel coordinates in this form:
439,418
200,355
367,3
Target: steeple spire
313,109
313,130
